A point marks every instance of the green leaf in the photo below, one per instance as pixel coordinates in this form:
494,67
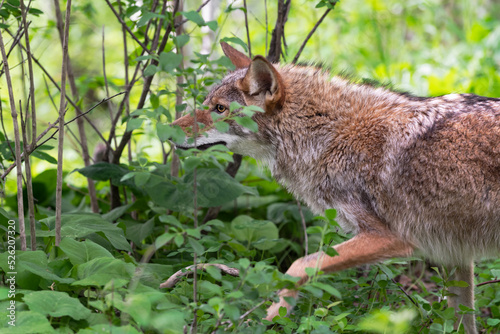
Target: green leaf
328,288
164,131
56,304
79,225
27,322
137,232
461,284
235,40
262,234
134,123
116,213
247,122
101,271
197,247
214,188
44,156
150,70
232,312
177,135
222,127
283,311
84,251
493,322
169,61
214,272
103,171
181,40
194,17
212,25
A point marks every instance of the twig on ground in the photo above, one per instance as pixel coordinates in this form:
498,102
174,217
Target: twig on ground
172,280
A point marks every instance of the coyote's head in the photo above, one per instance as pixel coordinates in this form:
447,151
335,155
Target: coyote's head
254,82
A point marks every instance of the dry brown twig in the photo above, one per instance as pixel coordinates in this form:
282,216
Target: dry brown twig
172,280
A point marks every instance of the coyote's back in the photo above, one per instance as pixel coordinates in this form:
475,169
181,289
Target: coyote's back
405,173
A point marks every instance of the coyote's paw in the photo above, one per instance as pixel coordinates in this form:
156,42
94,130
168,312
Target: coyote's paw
274,309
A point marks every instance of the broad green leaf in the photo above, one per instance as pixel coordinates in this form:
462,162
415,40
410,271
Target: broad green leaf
137,232
116,213
197,247
31,267
461,284
26,322
134,123
247,122
56,304
150,70
194,17
222,127
215,187
235,40
213,25
170,61
101,271
164,131
181,40
44,156
103,171
84,251
262,234
80,225
328,288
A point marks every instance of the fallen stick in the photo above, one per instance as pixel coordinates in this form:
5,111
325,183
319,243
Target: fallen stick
172,280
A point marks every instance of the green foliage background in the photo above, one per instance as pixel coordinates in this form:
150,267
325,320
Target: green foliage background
105,275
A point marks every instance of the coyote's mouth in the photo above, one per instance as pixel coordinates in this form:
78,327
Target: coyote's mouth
203,146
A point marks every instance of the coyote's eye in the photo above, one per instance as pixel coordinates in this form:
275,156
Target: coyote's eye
220,108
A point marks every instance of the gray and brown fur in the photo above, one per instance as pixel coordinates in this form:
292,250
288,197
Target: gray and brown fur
406,174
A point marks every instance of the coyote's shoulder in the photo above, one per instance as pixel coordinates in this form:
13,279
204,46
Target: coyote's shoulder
405,173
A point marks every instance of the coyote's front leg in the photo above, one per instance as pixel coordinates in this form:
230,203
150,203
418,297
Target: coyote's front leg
363,248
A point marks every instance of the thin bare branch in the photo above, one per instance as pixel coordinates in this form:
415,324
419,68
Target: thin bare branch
80,121
29,185
488,282
124,25
110,105
62,108
312,32
20,207
247,29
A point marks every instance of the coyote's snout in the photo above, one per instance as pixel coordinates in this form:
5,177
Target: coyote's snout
406,174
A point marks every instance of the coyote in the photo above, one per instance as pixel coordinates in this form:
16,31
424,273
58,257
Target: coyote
407,175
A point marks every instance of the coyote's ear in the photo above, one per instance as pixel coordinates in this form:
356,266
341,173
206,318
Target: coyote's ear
263,84
240,60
